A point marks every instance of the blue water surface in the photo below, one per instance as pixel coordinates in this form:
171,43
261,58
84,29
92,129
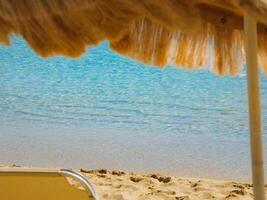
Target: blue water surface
104,110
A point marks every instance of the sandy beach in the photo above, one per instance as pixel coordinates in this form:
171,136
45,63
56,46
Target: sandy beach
119,185
116,185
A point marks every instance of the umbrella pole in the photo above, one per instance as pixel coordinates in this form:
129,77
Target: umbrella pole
250,27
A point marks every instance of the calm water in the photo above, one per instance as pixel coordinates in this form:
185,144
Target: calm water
104,110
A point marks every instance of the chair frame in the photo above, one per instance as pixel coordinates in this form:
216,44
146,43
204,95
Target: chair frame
63,172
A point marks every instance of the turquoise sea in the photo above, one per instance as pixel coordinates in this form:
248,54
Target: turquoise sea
106,111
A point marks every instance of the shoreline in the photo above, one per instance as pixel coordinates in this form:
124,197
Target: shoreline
205,156
120,185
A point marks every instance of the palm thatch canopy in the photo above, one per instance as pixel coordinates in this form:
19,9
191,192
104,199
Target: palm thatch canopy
186,33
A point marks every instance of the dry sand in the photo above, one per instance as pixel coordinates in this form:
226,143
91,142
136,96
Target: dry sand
119,185
116,185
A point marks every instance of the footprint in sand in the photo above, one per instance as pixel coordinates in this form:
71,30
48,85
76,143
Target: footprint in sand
135,179
161,178
182,198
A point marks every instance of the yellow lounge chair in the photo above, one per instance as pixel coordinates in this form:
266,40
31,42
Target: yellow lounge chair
63,184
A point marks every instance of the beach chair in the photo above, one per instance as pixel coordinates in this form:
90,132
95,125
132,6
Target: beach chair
63,184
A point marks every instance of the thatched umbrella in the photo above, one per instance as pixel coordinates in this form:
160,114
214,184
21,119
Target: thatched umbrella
188,34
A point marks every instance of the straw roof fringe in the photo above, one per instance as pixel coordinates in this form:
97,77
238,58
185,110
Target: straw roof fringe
185,33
